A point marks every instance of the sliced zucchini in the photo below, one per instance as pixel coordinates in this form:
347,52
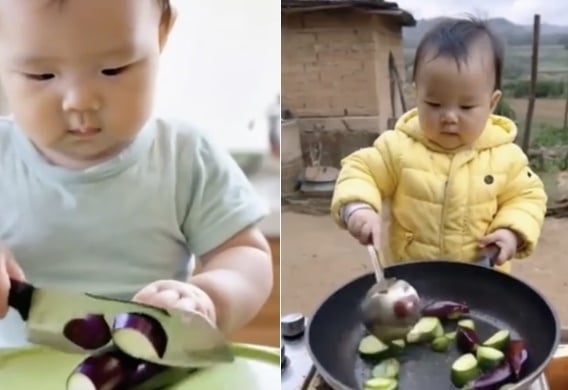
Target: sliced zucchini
464,369
440,344
499,340
451,335
467,323
488,358
397,346
425,330
389,368
381,384
372,347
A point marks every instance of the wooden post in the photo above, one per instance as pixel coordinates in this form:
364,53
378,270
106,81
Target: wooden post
532,91
565,126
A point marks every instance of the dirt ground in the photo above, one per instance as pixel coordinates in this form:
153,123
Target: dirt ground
317,258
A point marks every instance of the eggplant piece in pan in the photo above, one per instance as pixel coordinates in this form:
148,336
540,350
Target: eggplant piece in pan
445,310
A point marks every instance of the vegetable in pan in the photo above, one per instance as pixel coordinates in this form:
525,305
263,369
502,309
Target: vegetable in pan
445,310
425,330
466,340
387,369
381,384
495,363
373,348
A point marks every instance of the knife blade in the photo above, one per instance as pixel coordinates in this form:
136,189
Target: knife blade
192,340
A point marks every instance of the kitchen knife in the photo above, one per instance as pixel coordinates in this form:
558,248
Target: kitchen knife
192,341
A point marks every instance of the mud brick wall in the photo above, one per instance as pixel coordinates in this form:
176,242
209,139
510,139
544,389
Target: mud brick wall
335,63
335,78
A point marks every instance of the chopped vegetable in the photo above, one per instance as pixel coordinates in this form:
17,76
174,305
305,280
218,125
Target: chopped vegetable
499,340
389,368
440,344
139,335
425,330
109,369
467,323
492,379
372,347
517,356
451,335
464,370
381,384
466,340
445,310
91,332
489,358
397,346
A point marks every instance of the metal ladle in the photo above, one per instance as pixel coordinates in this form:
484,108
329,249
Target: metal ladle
391,307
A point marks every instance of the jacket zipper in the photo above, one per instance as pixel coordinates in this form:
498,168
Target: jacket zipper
445,207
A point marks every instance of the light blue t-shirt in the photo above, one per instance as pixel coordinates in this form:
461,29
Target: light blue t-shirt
139,217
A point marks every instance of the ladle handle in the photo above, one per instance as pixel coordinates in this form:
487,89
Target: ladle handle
489,255
376,263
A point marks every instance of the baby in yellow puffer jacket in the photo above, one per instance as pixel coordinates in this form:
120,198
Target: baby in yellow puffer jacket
455,178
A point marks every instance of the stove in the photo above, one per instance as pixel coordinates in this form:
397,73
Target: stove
298,371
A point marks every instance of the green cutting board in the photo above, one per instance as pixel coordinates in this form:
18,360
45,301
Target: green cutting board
254,368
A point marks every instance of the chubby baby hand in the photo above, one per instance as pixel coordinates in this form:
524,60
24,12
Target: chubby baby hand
365,226
172,294
506,240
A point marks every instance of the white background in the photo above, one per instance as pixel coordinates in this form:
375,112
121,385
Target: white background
221,68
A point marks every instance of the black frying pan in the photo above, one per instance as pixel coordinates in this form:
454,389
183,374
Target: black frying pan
496,301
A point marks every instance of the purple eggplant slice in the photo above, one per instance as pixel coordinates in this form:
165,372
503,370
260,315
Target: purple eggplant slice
109,369
139,335
91,332
466,340
517,356
445,310
491,380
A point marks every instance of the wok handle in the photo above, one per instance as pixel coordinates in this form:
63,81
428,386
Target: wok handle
489,255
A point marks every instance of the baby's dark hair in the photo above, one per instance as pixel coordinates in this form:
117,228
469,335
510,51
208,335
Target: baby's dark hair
454,38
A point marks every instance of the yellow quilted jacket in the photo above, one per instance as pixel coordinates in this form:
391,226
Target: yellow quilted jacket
443,203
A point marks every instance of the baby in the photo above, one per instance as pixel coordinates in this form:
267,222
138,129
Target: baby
455,178
98,195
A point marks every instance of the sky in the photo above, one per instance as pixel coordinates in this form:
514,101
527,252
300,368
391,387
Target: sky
221,68
518,11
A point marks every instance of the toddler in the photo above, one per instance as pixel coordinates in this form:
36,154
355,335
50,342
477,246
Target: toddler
96,194
454,176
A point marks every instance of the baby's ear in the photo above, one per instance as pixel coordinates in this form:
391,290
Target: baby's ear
495,98
167,22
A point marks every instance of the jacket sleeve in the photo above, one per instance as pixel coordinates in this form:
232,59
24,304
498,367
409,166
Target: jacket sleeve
367,175
522,204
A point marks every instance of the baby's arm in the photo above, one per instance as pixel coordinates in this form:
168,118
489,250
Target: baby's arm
522,204
237,276
366,176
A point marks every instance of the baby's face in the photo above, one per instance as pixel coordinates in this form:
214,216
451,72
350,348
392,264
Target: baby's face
79,77
454,104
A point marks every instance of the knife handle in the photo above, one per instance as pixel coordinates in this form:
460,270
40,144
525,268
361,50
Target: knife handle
20,297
